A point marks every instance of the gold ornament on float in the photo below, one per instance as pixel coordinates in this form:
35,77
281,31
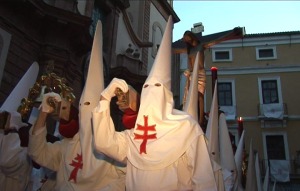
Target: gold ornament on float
48,82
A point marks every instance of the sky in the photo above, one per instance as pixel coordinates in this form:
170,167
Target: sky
255,16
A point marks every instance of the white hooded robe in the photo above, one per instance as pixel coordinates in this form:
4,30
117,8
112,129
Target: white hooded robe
166,149
77,166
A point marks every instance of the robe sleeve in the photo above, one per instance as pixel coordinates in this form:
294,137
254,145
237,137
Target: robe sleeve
13,157
203,176
42,152
106,139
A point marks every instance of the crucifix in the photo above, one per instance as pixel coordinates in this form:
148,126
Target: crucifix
195,42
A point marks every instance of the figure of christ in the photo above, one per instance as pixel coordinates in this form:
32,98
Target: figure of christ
193,46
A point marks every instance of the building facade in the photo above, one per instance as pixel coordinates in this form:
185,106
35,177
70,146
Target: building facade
257,79
59,34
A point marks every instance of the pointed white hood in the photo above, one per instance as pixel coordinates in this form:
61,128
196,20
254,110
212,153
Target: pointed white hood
191,105
161,68
90,96
251,184
266,179
257,173
97,171
212,131
238,157
21,90
212,134
226,155
155,139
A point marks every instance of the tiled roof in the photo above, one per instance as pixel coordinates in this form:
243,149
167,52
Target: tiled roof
179,44
272,34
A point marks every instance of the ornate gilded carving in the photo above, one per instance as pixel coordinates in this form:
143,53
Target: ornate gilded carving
48,82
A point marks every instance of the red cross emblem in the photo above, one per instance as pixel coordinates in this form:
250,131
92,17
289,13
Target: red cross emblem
77,164
145,136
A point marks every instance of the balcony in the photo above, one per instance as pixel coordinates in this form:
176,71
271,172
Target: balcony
291,182
230,112
272,115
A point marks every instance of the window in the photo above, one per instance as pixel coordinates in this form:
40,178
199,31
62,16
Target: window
226,98
263,53
222,55
271,105
225,94
275,146
269,90
277,153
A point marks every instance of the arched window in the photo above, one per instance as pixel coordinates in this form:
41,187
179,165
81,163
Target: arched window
4,46
157,33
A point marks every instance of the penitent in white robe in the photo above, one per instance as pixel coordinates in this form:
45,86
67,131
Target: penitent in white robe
166,149
65,158
15,165
173,163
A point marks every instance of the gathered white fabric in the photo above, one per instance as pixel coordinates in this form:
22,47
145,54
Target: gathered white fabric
65,158
280,170
166,144
190,171
16,120
274,110
230,112
15,165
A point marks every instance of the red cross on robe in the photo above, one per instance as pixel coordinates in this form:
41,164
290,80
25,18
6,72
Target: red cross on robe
77,164
145,136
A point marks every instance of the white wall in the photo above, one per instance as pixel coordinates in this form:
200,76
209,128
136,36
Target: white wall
155,17
123,39
135,14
